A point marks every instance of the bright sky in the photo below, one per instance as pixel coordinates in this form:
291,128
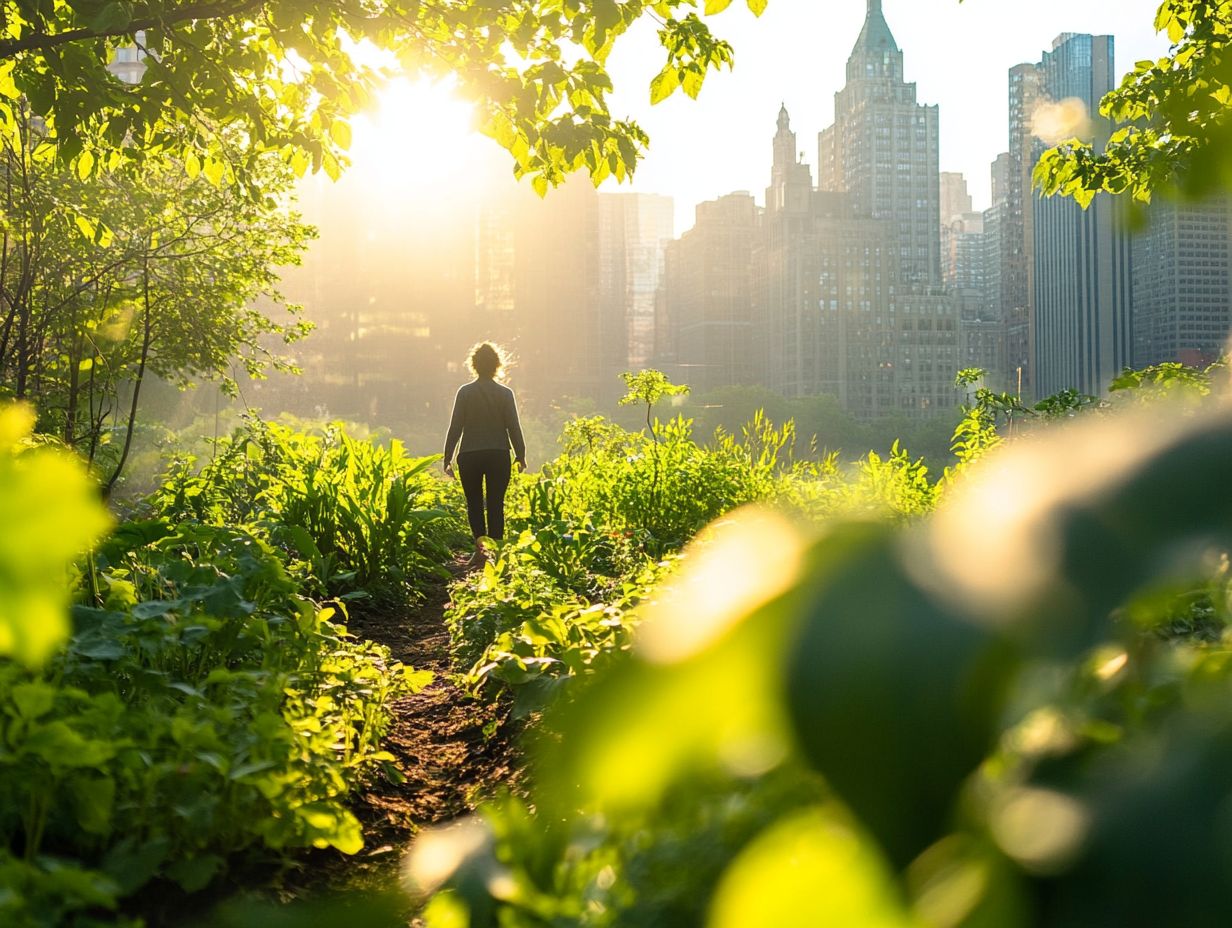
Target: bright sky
958,54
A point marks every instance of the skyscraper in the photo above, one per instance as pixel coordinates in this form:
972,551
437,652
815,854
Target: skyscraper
1016,228
634,230
883,150
1182,273
890,332
538,289
387,292
825,302
1081,290
955,198
840,317
986,344
707,297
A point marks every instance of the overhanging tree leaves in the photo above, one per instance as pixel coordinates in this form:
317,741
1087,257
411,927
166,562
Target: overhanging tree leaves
1174,117
286,75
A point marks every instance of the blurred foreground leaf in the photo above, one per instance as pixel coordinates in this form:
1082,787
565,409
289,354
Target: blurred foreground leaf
895,699
808,871
50,513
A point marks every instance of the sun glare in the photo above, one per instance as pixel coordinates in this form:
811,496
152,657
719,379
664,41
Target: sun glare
420,138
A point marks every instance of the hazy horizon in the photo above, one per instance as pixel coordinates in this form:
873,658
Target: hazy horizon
394,274
958,54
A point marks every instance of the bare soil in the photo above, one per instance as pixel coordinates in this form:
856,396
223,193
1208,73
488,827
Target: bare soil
450,752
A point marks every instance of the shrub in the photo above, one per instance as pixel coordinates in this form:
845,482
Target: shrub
356,515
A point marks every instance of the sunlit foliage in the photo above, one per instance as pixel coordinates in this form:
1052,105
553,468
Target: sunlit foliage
1172,118
112,279
201,708
355,518
1001,697
51,517
287,75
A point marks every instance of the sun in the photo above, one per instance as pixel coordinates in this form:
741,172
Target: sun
420,137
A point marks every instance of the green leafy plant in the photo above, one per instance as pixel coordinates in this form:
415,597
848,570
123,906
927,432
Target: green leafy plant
649,387
1172,381
176,279
355,515
202,708
972,710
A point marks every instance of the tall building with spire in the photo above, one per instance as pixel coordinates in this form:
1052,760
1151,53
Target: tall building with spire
832,307
891,333
791,181
823,292
883,150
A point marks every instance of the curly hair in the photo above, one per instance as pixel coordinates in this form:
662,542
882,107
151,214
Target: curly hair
487,359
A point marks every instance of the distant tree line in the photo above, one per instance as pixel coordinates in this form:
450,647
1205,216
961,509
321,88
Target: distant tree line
108,278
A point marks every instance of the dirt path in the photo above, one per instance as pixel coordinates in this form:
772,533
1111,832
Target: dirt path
450,750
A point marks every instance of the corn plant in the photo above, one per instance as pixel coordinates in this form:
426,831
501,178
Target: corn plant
358,516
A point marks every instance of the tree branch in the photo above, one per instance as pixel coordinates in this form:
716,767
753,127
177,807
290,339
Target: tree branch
40,41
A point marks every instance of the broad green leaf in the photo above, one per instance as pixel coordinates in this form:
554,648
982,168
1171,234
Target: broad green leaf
8,89
33,700
49,495
446,910
332,166
213,169
705,694
85,165
807,871
664,85
692,84
87,228
93,801
112,16
300,162
195,873
330,825
340,132
61,747
896,729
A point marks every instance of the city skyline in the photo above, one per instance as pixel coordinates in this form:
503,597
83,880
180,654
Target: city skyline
795,54
872,284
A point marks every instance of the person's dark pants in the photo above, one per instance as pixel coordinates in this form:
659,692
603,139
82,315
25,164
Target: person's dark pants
476,468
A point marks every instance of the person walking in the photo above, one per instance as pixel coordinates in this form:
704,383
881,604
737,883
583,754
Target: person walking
485,419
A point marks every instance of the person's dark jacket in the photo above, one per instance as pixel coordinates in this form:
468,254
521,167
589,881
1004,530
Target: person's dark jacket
485,418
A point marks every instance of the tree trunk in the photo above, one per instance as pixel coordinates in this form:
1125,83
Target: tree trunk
145,354
74,379
4,266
